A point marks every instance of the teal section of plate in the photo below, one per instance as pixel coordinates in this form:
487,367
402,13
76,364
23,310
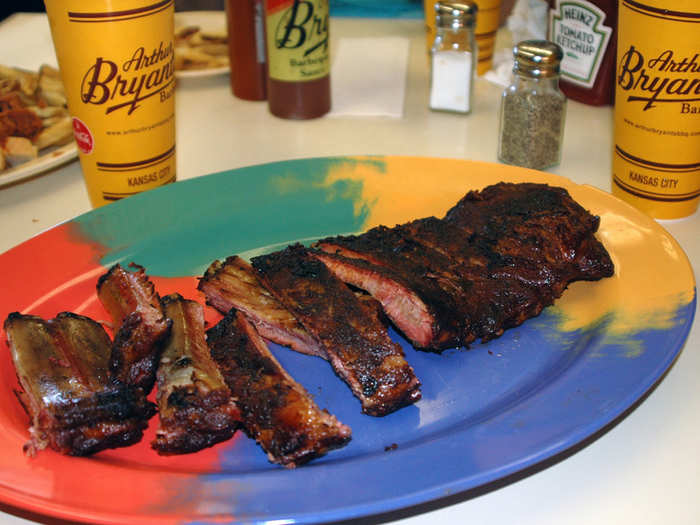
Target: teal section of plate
374,9
279,203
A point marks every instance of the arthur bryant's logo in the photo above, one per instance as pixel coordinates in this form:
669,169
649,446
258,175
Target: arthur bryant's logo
142,76
665,78
303,26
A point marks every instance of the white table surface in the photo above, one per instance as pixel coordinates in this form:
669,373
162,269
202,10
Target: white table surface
643,469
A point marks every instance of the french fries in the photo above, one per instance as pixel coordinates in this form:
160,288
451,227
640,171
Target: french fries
33,114
199,49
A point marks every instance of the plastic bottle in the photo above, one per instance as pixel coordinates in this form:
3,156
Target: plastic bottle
586,30
298,58
246,29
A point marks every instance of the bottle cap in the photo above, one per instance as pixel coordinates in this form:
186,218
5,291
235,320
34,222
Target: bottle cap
537,58
455,14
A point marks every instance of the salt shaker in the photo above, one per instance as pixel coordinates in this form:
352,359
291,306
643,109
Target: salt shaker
533,108
453,57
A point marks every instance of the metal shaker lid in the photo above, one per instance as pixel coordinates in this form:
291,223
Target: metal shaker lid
537,58
455,14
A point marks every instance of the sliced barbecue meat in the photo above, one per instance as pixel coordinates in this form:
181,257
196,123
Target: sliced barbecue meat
63,369
355,343
195,407
234,284
134,305
276,411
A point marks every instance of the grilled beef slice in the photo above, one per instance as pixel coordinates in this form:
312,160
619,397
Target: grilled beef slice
276,411
355,343
63,369
134,305
194,404
234,284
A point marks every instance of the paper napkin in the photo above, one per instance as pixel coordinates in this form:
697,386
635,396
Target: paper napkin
368,77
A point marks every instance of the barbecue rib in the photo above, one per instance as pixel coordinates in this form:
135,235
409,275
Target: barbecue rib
355,343
194,404
63,369
133,303
234,284
499,257
276,411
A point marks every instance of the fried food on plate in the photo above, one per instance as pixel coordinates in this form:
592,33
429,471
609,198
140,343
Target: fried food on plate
33,114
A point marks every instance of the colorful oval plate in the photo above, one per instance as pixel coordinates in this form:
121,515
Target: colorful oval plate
486,412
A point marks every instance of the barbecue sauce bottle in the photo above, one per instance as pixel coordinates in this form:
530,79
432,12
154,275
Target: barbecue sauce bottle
298,58
586,30
246,30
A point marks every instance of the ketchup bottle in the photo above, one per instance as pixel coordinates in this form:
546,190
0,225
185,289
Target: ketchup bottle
298,58
246,30
586,30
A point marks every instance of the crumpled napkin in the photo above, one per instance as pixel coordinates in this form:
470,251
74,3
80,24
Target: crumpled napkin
527,21
368,77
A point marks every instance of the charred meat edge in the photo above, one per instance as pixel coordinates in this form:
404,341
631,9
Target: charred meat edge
195,406
357,344
67,391
276,411
134,305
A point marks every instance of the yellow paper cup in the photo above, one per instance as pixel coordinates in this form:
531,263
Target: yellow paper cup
487,20
656,153
116,60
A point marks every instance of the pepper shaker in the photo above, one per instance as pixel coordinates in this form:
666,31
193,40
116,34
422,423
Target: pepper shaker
453,57
533,108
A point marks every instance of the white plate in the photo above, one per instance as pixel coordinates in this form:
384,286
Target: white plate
208,21
50,159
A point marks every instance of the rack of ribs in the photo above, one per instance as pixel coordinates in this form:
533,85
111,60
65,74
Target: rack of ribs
134,305
276,411
63,369
499,257
195,407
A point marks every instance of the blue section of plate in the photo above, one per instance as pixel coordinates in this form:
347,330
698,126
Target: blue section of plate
487,412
